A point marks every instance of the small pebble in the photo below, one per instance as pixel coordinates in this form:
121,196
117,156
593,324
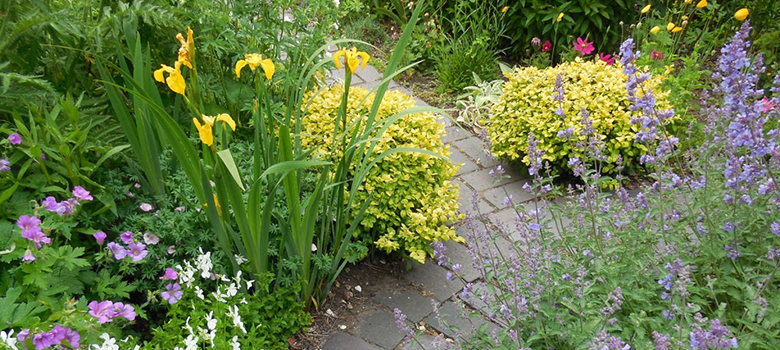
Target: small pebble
342,327
358,288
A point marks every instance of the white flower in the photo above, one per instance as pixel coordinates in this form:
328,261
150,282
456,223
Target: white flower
249,284
231,290
218,295
313,247
233,313
199,293
186,274
243,301
108,343
151,238
235,344
211,322
240,259
10,340
191,343
203,262
146,207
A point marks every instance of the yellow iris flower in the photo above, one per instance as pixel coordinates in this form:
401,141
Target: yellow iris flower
187,46
253,60
503,10
174,80
646,9
560,17
205,130
670,26
351,58
702,4
741,14
676,29
655,29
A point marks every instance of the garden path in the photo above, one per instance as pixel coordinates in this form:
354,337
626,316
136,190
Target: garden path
424,289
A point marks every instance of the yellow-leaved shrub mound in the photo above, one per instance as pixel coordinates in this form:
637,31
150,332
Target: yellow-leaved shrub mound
412,197
527,106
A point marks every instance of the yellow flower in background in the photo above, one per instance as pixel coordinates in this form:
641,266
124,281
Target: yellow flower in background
206,131
253,60
670,26
646,9
677,29
506,8
351,58
741,14
669,69
185,56
174,80
688,1
560,17
655,29
684,18
702,4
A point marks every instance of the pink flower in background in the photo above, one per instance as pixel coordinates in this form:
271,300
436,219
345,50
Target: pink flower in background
137,251
137,185
14,139
608,59
5,165
170,275
546,46
81,194
151,238
126,237
180,209
124,310
146,207
584,47
102,310
171,250
100,237
768,105
536,41
656,55
172,293
118,250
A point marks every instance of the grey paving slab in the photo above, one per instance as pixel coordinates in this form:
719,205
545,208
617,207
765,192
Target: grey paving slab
459,254
475,148
466,199
433,278
494,244
456,323
411,303
369,73
379,328
466,165
455,133
344,341
481,180
497,195
338,74
476,294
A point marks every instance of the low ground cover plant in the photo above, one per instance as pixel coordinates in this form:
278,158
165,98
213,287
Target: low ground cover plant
411,197
533,103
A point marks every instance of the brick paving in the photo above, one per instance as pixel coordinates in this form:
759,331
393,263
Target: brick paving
377,329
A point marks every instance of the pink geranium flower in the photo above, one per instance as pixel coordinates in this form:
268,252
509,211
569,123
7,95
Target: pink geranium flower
585,47
170,275
546,46
608,59
656,55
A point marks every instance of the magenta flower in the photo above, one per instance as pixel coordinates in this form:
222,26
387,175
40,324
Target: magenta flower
26,222
170,275
146,207
5,165
100,237
151,238
546,46
81,194
125,310
584,47
173,293
656,55
767,105
14,139
102,310
119,251
608,59
126,237
36,235
137,251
